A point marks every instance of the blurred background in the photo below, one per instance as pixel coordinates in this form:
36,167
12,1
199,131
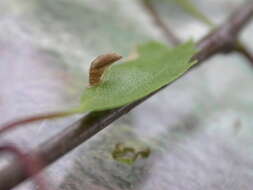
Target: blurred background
199,129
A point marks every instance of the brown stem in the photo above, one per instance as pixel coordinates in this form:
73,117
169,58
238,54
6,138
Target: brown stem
242,49
171,38
31,165
225,38
220,40
23,121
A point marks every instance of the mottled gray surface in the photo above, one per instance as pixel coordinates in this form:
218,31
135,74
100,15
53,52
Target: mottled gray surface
199,129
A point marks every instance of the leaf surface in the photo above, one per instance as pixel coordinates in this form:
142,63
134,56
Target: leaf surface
156,66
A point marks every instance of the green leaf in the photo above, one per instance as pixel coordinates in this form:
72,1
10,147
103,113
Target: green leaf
156,66
189,7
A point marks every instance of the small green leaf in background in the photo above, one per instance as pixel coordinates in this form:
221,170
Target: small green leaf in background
128,154
189,7
156,66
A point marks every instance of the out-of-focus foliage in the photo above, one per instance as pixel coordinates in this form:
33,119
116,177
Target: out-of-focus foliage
128,155
190,7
